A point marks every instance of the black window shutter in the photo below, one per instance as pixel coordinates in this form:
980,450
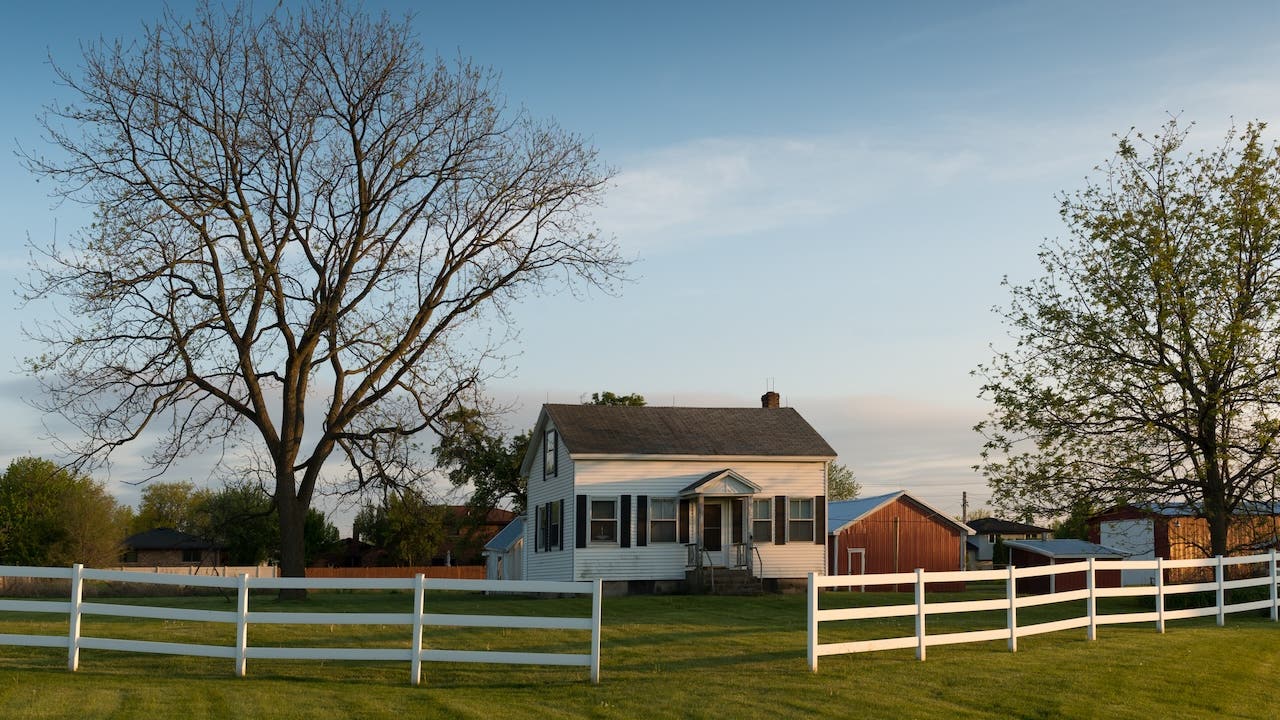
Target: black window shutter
737,520
642,520
779,519
682,521
560,525
537,525
624,534
819,519
580,523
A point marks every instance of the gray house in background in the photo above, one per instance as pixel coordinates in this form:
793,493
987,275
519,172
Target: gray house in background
166,547
986,531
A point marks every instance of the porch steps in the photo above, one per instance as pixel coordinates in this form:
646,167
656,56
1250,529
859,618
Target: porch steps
725,581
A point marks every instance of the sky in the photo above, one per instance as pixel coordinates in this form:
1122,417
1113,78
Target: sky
820,197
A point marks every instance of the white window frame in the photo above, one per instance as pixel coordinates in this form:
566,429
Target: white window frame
672,522
793,518
766,518
592,519
550,463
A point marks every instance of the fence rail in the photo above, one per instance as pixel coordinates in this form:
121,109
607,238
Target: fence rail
1011,603
77,608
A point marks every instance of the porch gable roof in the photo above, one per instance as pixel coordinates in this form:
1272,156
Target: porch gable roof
721,482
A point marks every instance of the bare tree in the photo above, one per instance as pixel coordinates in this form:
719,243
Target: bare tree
297,217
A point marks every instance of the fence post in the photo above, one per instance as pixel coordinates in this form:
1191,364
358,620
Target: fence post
920,613
415,660
1011,587
1160,594
1222,593
597,589
1275,602
811,623
73,618
1092,602
242,623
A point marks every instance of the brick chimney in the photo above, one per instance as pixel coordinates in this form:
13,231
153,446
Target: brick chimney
770,400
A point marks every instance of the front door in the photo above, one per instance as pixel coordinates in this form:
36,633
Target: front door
713,528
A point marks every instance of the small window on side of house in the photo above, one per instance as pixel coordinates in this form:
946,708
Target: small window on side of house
190,556
761,521
662,520
800,520
604,521
549,454
553,525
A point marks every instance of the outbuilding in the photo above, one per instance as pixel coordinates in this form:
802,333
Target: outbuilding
894,532
1038,553
503,555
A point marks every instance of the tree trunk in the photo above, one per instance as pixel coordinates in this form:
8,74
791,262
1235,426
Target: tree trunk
293,514
1215,513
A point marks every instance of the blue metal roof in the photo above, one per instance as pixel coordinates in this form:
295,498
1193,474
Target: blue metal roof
843,512
507,536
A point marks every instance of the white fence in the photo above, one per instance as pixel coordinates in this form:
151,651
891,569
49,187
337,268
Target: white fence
242,618
1011,603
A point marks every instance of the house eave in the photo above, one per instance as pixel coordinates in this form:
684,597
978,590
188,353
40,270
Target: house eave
707,458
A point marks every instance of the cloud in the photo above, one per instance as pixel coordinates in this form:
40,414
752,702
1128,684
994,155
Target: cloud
712,188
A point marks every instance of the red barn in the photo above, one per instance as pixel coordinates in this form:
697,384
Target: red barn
1037,553
893,533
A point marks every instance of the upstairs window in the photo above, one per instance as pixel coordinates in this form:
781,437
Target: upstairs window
662,520
800,520
549,454
604,521
761,521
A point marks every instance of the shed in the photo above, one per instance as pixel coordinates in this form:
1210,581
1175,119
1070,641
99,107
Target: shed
1038,553
894,532
502,554
1179,531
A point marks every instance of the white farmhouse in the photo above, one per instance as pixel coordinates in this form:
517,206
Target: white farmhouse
647,498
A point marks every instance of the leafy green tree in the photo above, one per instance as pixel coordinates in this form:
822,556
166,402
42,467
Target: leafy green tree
1146,360
841,484
176,505
1076,523
298,214
52,516
470,453
321,535
406,525
240,518
608,398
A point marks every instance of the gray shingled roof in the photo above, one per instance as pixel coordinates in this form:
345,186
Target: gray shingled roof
167,539
604,429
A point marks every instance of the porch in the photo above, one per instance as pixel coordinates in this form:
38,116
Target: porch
715,516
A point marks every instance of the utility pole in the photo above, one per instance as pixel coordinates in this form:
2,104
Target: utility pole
964,507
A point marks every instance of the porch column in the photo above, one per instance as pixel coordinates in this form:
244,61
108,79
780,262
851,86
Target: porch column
697,529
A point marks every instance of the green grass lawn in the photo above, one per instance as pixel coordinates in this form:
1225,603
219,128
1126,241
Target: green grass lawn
674,656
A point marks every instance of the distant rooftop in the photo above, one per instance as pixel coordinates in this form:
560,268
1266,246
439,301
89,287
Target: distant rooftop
996,526
1067,549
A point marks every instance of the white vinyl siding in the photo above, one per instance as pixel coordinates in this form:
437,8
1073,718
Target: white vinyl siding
556,564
